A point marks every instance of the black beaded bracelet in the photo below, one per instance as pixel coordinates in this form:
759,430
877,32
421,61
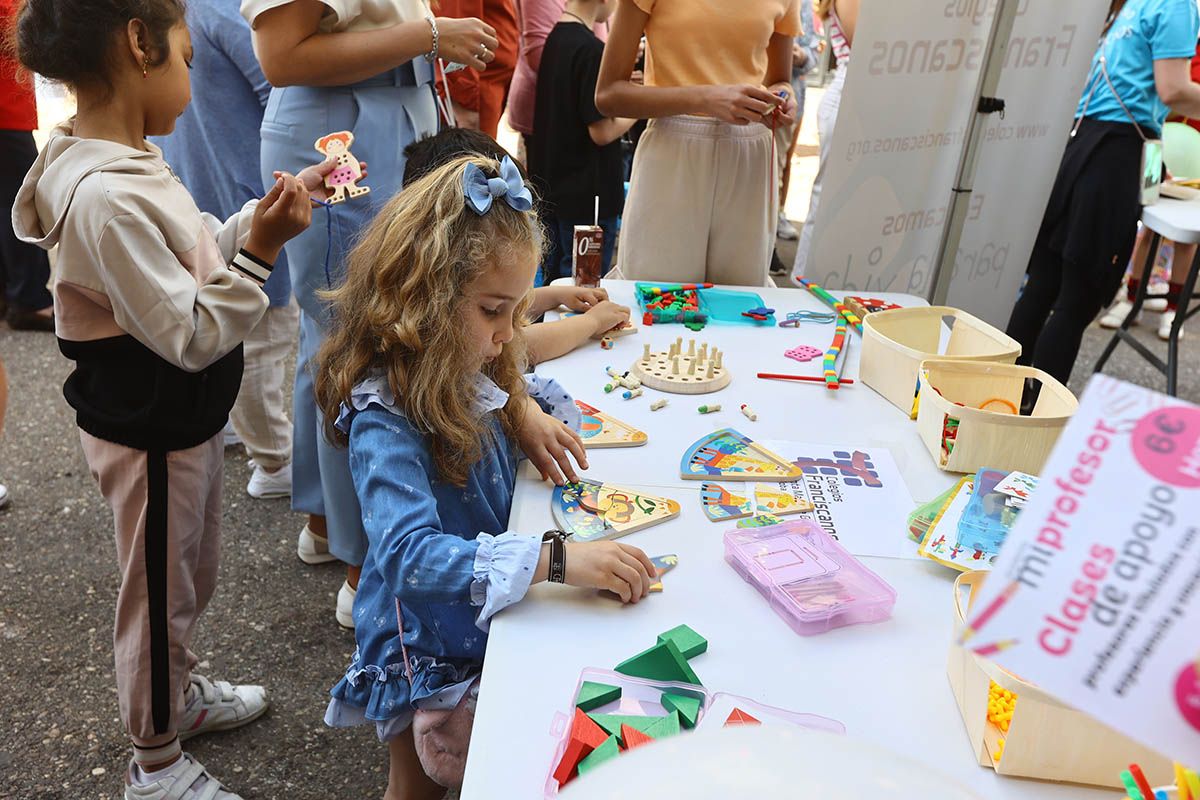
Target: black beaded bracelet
558,555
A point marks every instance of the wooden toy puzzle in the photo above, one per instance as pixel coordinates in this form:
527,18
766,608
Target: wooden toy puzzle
662,662
739,717
342,182
662,565
861,306
759,521
592,695
690,643
600,430
732,456
720,504
770,499
588,510
804,352
697,370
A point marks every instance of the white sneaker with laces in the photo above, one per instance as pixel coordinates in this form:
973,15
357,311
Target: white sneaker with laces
345,605
313,549
1164,326
784,228
1117,314
219,706
264,485
186,779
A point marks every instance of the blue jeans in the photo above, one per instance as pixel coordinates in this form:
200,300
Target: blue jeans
557,262
385,114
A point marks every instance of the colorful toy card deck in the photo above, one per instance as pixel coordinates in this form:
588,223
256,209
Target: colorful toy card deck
808,578
732,456
588,510
941,542
1095,597
600,430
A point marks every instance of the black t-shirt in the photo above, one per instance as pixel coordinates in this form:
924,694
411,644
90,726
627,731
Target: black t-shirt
568,168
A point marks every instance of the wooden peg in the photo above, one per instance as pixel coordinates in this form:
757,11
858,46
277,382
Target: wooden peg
675,365
692,367
646,353
709,374
691,348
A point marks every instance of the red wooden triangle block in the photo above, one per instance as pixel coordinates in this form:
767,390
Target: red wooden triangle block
585,737
632,737
739,717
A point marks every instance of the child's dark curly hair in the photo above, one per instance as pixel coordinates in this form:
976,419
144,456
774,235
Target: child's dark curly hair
72,40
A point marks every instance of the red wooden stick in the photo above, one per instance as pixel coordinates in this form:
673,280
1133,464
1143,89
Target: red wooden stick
809,378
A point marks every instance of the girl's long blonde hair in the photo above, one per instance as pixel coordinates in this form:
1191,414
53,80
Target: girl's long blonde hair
399,312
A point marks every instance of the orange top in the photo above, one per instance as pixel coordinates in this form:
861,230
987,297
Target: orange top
704,42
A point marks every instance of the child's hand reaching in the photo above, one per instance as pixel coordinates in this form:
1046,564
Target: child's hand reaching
580,298
619,568
283,213
313,177
545,441
607,315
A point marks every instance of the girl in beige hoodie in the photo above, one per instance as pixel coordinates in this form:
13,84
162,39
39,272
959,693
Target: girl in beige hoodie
152,301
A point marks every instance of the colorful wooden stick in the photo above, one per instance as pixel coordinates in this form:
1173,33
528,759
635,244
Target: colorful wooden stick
806,378
835,347
833,303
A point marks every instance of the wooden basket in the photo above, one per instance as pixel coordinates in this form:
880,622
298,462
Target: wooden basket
989,435
895,343
1045,738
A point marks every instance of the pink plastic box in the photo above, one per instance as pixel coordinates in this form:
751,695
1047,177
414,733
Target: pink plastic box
807,577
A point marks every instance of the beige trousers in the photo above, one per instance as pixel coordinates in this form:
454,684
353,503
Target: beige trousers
166,513
259,416
701,205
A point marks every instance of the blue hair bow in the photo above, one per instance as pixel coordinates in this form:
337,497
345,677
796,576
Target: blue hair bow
479,189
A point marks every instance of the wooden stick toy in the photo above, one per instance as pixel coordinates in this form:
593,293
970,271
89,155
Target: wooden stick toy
708,409
608,387
342,182
632,393
657,404
749,413
835,347
774,376
833,303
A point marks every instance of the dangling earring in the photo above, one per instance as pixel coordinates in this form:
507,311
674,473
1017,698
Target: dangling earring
145,66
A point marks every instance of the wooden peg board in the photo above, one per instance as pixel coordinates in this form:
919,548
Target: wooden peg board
685,368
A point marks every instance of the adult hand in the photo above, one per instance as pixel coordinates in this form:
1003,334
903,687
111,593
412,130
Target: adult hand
619,568
739,105
467,41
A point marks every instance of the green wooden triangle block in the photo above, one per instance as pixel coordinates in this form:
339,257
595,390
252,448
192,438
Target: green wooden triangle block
663,662
688,708
593,695
690,643
612,723
610,749
664,726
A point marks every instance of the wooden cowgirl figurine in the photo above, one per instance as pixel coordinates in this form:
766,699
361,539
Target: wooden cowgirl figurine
341,181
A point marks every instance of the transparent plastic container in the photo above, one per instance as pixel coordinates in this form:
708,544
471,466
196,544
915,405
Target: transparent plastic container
807,577
984,524
640,696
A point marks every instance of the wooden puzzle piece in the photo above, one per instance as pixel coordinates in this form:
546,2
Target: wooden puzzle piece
804,352
588,510
770,499
605,752
663,662
592,695
739,717
611,723
662,565
632,737
585,737
665,726
760,521
342,181
600,430
861,306
690,643
732,456
720,504
688,708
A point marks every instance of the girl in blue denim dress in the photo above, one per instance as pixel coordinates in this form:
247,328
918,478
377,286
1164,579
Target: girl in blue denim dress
422,378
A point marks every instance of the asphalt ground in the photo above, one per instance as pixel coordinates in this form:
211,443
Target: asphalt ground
271,620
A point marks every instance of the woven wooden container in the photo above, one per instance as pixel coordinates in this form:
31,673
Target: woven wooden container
895,343
1045,739
989,434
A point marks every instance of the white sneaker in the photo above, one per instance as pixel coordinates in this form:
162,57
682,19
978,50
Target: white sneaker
313,549
1164,331
4,496
345,605
1117,314
220,706
264,485
186,779
784,228
231,436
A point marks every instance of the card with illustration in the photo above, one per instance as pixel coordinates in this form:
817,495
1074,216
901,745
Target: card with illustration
941,541
1018,485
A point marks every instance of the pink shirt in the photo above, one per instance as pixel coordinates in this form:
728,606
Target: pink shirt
536,18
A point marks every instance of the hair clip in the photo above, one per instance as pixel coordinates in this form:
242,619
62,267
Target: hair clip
479,189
